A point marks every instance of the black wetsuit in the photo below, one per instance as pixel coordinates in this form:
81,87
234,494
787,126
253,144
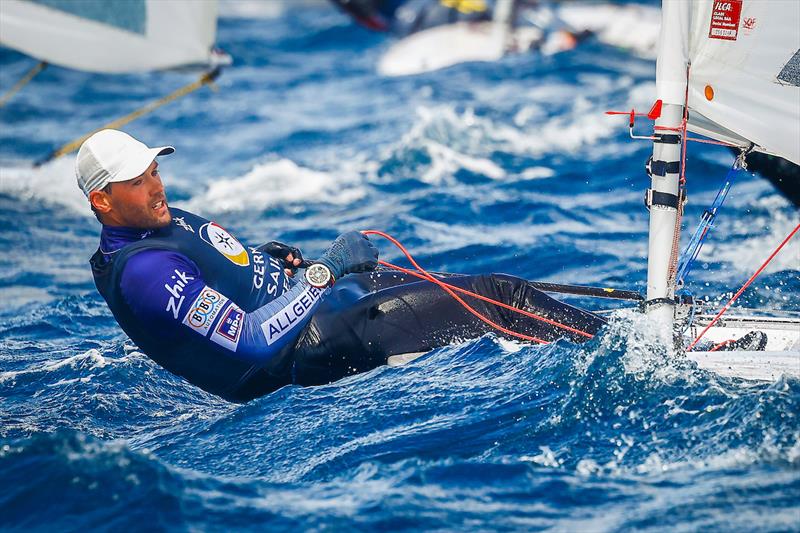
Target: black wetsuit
371,317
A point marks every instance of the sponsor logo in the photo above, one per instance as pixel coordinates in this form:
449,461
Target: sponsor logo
227,332
224,243
176,292
275,275
204,310
179,221
282,322
260,270
725,20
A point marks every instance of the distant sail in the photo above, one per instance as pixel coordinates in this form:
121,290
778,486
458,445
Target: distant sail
112,36
744,77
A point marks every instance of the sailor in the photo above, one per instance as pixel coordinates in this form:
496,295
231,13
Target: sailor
404,17
234,321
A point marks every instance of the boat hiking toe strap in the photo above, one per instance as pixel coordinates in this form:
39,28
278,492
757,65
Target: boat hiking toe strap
661,168
663,199
666,138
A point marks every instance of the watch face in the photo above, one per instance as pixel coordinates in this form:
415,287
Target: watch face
318,275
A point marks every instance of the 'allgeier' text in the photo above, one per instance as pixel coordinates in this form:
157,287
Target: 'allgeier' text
281,323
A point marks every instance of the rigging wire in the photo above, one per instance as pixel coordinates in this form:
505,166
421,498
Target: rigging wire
692,250
37,68
205,79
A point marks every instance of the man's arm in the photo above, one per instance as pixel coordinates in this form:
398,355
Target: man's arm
167,293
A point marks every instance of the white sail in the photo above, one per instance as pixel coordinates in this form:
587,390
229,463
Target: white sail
744,75
111,35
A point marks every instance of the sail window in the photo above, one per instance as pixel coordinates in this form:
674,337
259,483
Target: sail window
130,15
791,70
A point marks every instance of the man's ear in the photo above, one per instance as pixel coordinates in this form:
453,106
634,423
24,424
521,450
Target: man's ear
101,201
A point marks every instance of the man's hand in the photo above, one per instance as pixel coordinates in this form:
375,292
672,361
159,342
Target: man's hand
350,252
291,256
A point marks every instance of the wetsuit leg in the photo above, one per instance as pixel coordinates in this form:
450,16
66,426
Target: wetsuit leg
370,317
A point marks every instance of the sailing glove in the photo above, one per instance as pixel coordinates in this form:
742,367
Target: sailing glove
351,252
281,251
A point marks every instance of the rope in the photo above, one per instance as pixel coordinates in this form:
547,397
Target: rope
747,284
40,66
452,289
71,146
692,250
721,345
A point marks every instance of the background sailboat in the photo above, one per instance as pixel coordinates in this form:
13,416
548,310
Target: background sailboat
114,36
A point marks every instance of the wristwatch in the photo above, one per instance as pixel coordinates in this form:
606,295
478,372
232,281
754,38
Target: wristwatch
319,276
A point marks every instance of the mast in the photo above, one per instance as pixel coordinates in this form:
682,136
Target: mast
663,198
503,19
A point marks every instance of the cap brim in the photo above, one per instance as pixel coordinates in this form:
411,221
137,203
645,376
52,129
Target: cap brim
139,164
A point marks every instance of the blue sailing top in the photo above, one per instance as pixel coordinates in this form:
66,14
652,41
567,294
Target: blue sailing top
202,305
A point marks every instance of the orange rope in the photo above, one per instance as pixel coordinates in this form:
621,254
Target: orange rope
452,289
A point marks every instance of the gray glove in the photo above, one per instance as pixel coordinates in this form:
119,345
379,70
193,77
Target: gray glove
350,252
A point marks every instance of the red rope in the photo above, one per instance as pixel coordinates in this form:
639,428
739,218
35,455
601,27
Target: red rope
452,289
749,281
720,345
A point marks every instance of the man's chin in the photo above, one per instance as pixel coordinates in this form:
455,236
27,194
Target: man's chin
156,222
164,220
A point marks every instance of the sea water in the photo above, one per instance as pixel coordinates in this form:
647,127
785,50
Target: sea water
504,167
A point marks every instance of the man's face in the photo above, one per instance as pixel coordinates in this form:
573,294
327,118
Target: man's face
140,202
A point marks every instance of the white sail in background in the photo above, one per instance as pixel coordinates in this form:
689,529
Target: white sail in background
744,76
111,35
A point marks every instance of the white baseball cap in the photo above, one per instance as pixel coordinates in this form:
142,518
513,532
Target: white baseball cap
109,156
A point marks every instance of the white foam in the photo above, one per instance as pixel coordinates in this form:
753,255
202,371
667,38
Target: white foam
445,162
464,140
273,183
536,173
255,9
90,359
645,341
52,183
546,458
446,236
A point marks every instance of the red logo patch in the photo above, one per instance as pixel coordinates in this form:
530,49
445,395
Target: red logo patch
725,19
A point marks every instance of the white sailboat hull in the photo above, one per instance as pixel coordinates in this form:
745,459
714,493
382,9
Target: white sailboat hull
781,355
754,366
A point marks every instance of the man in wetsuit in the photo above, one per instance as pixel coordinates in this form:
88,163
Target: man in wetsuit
232,320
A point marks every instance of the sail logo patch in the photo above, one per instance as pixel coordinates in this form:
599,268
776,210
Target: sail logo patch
224,243
725,17
205,308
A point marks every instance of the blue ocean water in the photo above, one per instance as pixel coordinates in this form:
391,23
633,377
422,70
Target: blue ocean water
510,167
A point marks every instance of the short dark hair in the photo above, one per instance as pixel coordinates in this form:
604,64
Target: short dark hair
107,190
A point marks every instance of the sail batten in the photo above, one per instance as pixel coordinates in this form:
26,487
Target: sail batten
111,36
